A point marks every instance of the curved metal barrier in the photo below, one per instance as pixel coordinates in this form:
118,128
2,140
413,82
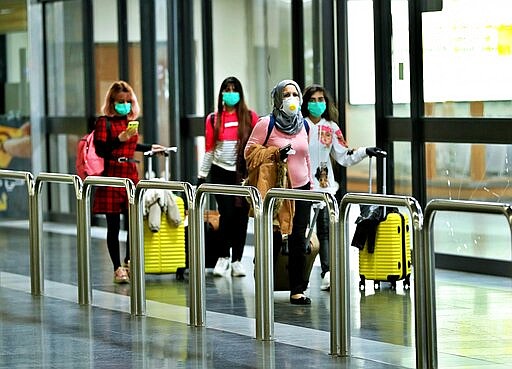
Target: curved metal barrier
429,261
265,257
138,291
197,252
84,227
341,340
36,228
36,256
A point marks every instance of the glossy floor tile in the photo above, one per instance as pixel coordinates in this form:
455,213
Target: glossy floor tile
474,318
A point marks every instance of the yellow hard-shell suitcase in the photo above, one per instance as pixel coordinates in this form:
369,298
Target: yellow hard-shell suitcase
164,251
391,259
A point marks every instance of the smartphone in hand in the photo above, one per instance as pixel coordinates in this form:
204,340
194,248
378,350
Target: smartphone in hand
134,124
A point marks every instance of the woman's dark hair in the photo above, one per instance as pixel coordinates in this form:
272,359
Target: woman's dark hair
242,111
330,113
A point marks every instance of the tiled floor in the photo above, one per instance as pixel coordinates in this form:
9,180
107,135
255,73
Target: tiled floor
474,318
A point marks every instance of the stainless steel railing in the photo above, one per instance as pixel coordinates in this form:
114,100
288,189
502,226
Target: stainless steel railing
429,262
36,229
425,305
342,276
264,254
84,228
36,256
197,250
138,291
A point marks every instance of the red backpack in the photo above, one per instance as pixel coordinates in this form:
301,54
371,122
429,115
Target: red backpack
88,163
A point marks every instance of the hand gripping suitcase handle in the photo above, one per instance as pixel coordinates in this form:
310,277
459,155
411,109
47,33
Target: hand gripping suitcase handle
166,153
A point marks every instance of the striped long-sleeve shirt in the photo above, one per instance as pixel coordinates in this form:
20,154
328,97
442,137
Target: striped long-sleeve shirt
223,152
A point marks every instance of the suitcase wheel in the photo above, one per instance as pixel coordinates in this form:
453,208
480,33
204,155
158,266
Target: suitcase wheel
361,283
407,282
180,274
393,285
376,285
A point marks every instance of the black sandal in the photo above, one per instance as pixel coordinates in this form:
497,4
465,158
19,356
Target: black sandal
304,300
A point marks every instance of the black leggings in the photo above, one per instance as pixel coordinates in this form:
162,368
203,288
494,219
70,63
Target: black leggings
113,228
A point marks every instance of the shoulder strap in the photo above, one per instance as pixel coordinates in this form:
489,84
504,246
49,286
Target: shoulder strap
212,122
107,124
271,124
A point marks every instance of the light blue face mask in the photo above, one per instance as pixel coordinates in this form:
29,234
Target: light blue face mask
316,108
230,98
123,108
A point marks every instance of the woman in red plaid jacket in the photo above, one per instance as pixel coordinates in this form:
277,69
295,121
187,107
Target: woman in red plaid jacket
117,143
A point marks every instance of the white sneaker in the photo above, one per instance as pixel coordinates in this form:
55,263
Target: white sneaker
221,267
237,269
326,282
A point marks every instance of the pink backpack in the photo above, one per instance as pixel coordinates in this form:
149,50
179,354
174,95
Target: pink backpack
88,163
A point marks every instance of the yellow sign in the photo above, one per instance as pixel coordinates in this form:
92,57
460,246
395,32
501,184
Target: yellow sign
7,133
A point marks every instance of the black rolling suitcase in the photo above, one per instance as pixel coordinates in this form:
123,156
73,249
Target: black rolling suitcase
281,279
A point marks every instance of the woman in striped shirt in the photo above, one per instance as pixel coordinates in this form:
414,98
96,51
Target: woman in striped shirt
226,133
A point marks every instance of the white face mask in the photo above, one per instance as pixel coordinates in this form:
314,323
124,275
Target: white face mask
291,106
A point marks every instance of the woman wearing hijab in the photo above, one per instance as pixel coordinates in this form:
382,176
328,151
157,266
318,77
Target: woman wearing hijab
287,139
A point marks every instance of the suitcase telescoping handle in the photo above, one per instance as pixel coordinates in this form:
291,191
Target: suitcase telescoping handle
166,152
384,156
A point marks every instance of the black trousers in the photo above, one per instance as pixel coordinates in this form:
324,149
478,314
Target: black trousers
297,246
234,216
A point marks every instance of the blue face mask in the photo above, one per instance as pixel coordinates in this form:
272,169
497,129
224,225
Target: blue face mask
316,108
123,108
230,98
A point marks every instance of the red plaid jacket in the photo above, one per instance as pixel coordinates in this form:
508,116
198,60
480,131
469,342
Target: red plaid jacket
114,199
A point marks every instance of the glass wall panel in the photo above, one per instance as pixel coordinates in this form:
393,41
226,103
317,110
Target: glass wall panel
64,59
361,58
402,168
360,109
475,235
254,46
469,171
106,51
467,51
162,73
64,89
15,143
134,56
400,78
312,43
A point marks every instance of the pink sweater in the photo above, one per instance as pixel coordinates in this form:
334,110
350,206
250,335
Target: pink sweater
299,169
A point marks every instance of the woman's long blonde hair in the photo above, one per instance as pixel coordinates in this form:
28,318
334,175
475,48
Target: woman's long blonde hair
110,99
